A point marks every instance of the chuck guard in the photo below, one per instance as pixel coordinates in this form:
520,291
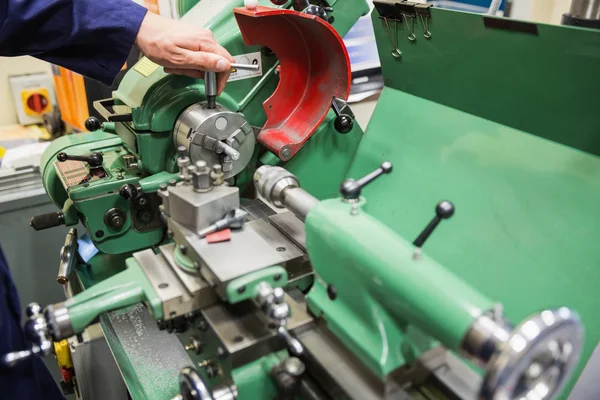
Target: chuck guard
314,68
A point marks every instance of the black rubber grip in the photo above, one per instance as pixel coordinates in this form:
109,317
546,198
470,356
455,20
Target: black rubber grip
46,221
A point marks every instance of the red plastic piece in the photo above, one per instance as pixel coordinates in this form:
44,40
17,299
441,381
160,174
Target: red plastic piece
220,236
67,374
314,68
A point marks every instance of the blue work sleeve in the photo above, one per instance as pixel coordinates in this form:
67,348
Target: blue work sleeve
91,37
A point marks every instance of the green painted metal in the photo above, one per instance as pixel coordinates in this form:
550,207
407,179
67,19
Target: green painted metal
156,152
253,380
544,84
184,261
77,144
382,290
124,289
153,182
524,231
246,287
322,164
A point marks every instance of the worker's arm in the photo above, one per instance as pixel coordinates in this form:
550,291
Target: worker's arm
94,37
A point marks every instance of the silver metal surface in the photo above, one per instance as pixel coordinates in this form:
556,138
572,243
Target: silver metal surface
585,9
291,227
179,293
245,67
59,320
95,367
250,249
216,136
67,257
299,201
484,337
197,211
538,358
243,331
281,188
193,386
224,392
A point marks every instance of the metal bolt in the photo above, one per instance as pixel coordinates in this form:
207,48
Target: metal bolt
217,175
277,277
220,352
294,366
203,326
285,152
163,187
182,248
331,292
241,289
170,234
201,178
172,182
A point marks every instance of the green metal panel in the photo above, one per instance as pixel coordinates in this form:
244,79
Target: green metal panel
545,84
124,289
253,380
525,230
382,289
323,162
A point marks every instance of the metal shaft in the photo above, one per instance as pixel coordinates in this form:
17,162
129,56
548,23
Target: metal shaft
245,67
585,9
210,79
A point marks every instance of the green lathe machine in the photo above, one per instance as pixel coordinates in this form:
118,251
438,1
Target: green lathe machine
258,245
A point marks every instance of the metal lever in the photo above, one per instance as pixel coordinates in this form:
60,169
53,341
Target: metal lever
245,67
344,116
210,83
67,257
36,330
443,210
234,219
293,344
94,160
351,188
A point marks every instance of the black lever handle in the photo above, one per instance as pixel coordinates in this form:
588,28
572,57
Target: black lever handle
443,210
344,117
351,188
94,160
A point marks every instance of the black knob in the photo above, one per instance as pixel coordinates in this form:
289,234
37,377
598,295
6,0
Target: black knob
92,124
443,210
351,188
128,192
343,123
316,11
344,120
94,160
46,221
115,218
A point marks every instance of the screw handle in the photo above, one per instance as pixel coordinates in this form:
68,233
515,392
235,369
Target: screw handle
443,210
94,160
351,188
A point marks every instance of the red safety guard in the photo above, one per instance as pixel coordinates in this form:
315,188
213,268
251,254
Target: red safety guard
314,68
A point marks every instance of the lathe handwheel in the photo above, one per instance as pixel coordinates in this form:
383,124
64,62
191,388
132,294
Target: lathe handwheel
192,386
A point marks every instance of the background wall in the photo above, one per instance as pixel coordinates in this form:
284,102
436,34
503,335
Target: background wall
546,11
15,66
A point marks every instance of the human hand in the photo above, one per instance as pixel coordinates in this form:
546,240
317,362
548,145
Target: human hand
183,49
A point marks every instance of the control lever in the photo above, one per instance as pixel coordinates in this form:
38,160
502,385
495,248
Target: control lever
67,257
351,188
36,331
344,121
94,160
272,302
210,83
233,219
443,210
